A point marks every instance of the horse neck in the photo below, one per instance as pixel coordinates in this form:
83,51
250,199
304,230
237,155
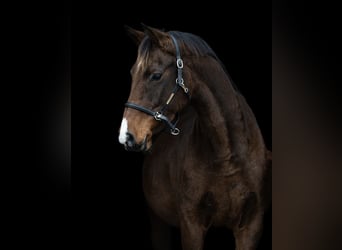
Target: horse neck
218,107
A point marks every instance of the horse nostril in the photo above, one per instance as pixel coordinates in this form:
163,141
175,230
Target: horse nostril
130,140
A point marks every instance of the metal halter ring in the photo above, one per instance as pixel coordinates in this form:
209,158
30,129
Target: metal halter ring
157,116
175,131
180,81
181,84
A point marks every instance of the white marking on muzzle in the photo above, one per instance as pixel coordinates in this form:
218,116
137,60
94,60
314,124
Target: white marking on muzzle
123,131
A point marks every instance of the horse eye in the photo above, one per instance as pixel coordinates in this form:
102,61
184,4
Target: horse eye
156,76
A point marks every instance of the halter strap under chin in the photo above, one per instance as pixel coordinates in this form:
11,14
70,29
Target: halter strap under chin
158,115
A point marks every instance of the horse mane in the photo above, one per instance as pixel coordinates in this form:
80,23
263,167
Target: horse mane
193,44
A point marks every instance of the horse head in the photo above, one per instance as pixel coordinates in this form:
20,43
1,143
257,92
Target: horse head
155,98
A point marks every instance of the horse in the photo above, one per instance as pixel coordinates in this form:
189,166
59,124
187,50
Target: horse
205,160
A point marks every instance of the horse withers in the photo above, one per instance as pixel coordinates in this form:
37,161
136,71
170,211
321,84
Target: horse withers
205,162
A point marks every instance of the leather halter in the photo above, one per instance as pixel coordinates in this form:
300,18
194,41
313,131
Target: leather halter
159,115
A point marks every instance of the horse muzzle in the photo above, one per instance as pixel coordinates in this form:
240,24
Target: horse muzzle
132,145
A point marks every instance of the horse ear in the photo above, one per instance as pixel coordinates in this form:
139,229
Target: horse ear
136,35
157,36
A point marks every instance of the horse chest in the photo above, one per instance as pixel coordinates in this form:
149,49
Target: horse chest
159,193
214,199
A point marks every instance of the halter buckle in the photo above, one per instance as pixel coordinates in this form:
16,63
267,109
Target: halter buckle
179,63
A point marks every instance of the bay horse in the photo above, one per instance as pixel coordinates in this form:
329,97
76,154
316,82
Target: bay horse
208,165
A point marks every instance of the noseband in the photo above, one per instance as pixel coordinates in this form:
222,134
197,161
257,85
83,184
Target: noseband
159,115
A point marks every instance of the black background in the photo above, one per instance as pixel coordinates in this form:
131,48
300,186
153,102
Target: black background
84,50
